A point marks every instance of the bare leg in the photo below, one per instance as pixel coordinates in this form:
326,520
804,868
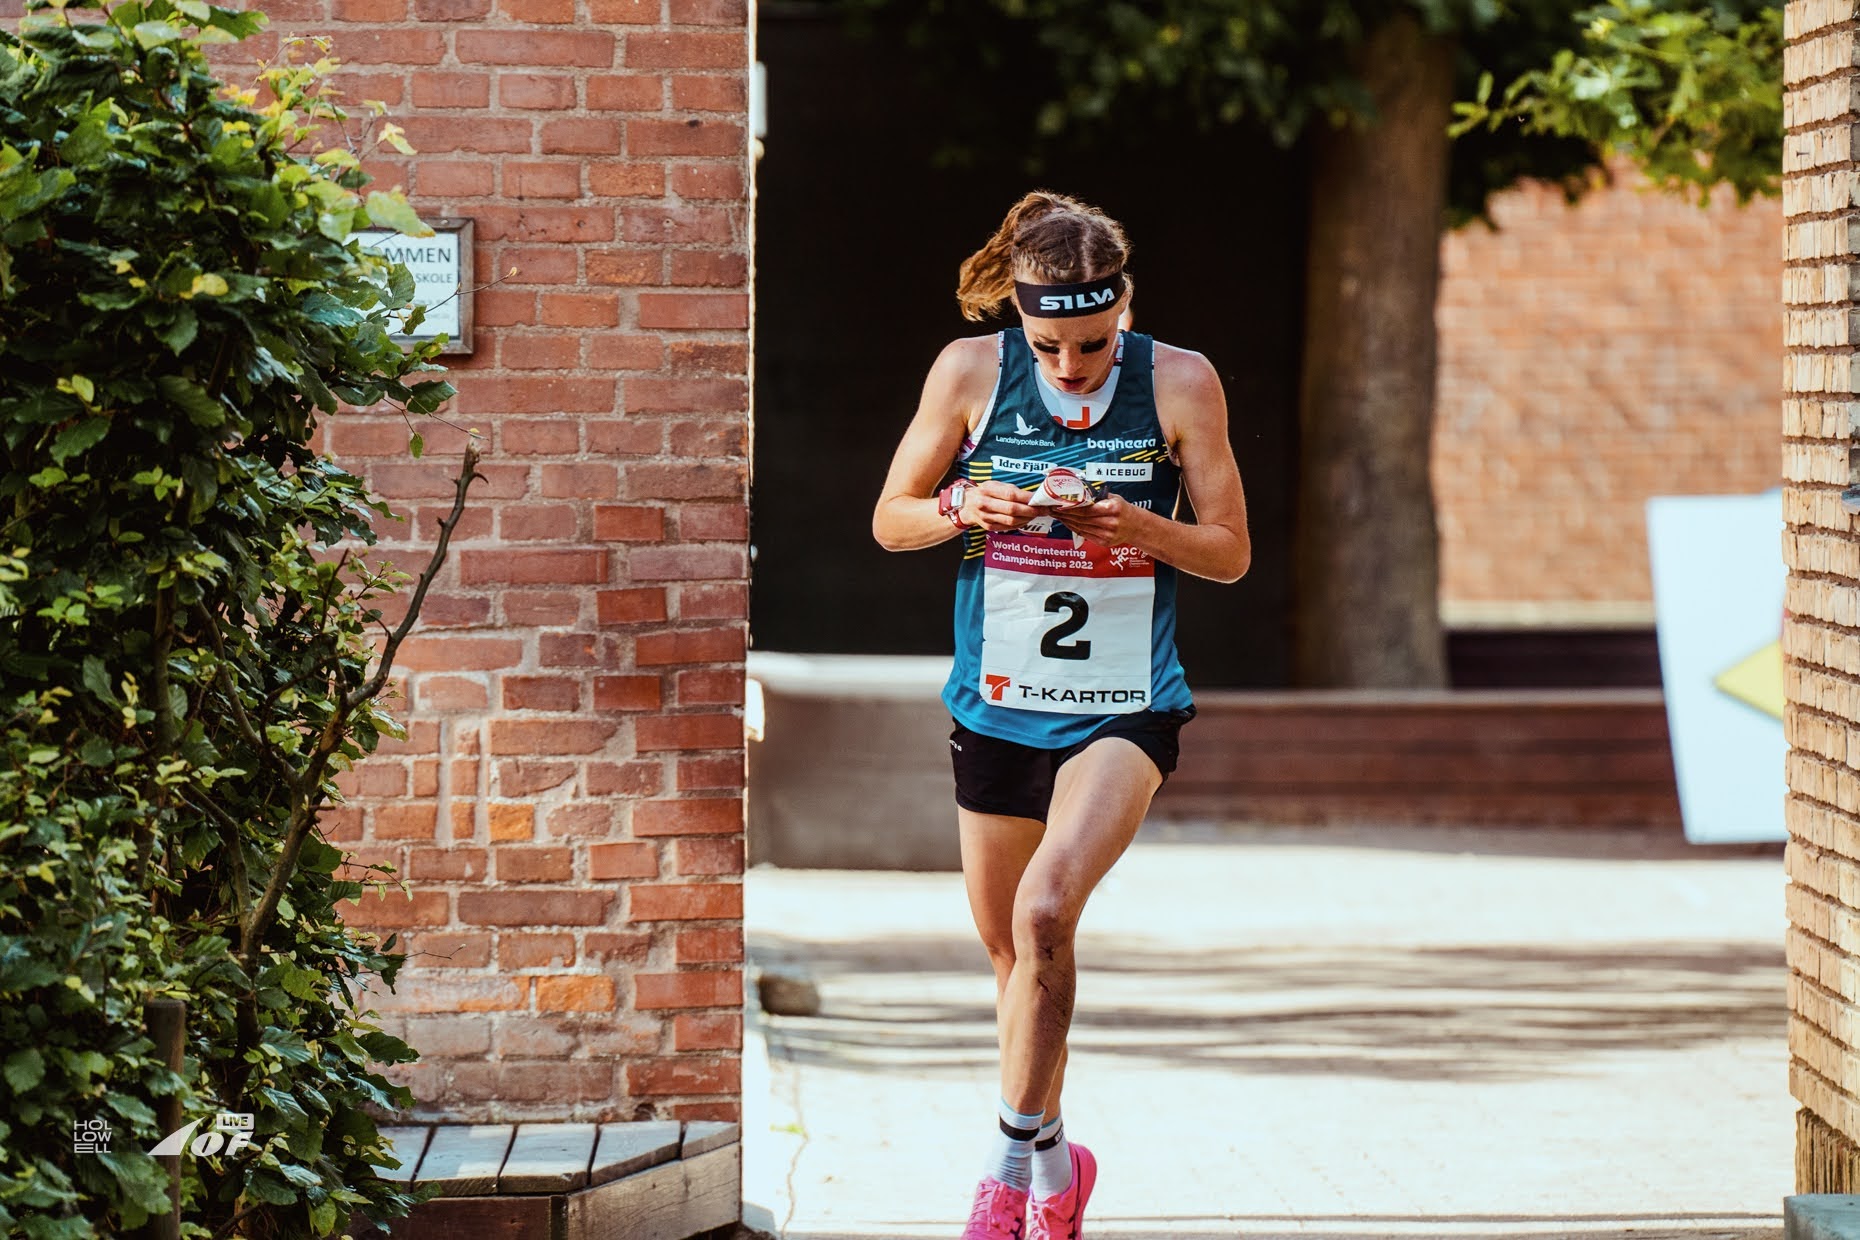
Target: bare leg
995,853
1099,800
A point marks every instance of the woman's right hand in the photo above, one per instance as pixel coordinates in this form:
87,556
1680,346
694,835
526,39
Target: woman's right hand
996,506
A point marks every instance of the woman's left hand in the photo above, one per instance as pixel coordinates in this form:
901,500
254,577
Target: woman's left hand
1112,520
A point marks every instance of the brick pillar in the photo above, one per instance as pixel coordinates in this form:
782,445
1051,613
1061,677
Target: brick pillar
1821,191
568,803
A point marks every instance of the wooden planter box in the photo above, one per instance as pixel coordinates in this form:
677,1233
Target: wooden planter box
641,1181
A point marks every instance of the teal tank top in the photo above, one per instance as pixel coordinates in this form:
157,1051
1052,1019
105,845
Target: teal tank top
1055,635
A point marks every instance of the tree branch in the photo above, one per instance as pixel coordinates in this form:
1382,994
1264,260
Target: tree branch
240,720
235,846
164,721
304,792
467,475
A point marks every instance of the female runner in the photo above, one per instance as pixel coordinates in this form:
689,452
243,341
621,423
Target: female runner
1072,440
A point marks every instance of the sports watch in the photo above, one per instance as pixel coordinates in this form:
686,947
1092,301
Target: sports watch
950,499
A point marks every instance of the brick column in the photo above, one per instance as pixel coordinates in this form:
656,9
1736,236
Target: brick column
1821,194
568,803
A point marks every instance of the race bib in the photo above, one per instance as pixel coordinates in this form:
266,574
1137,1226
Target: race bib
1066,624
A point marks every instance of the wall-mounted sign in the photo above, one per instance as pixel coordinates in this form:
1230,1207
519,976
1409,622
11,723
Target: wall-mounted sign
441,266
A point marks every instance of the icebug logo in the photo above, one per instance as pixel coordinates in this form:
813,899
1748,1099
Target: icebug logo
231,1132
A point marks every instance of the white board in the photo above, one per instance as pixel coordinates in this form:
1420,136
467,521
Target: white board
1718,581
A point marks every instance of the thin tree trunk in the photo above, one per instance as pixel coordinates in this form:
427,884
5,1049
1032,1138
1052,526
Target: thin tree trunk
1368,565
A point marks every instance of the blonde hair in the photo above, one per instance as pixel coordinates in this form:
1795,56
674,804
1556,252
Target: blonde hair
1049,237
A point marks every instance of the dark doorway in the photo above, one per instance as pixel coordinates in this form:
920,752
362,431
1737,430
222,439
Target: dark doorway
862,219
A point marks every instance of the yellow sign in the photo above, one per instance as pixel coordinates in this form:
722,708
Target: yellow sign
1757,681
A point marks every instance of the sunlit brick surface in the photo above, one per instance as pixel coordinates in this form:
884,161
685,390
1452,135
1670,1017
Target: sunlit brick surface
1821,638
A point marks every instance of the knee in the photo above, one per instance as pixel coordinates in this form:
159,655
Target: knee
1043,926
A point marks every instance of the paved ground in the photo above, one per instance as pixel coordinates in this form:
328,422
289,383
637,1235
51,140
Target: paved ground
1340,1033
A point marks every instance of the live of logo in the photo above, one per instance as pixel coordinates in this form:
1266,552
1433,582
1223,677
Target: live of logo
231,1132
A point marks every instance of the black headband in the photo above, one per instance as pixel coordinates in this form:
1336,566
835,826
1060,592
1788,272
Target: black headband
1065,301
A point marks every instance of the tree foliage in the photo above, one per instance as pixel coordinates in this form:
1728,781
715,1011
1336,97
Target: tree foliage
186,654
1692,96
1697,72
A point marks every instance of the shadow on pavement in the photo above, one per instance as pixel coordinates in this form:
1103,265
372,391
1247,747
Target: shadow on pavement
1584,843
1444,1013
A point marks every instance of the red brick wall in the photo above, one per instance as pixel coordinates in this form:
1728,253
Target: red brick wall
1590,358
568,804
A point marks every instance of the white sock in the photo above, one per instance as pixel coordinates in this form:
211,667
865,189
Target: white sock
1010,1158
1052,1160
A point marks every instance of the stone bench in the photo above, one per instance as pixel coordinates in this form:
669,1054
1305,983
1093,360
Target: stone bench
842,742
656,1180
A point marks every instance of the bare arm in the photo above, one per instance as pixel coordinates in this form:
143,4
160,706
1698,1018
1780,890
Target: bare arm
1193,412
954,395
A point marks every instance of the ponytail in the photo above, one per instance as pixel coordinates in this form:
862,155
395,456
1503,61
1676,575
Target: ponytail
1053,238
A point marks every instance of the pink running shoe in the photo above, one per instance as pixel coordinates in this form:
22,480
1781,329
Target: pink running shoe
999,1213
1062,1216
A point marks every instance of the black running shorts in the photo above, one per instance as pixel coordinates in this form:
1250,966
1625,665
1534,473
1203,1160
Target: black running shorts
1005,777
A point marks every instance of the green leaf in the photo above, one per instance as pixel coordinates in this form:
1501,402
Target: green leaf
200,407
132,1109
24,1069
142,1177
417,445
267,1186
79,438
401,286
180,330
156,34
428,396
391,210
97,679
303,983
286,1045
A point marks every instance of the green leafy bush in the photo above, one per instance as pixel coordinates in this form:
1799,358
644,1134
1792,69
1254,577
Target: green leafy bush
186,653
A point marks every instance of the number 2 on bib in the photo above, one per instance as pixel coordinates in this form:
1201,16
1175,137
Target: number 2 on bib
1054,645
